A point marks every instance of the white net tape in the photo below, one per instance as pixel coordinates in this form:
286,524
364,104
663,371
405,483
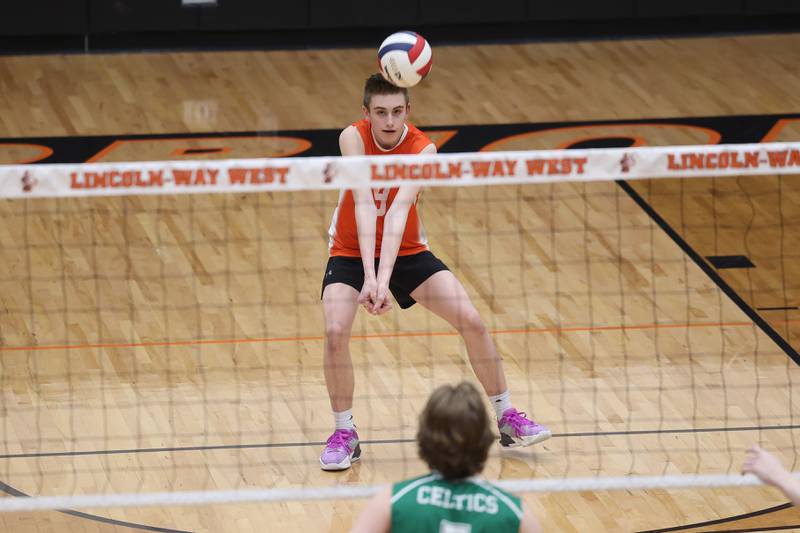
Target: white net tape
167,499
252,175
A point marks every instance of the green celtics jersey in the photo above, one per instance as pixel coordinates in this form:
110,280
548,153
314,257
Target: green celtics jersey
472,505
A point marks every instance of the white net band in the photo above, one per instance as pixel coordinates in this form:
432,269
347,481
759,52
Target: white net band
484,168
167,499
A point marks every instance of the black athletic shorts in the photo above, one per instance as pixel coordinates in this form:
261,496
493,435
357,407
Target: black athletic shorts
409,273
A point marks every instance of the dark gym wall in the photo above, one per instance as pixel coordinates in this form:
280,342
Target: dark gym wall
104,17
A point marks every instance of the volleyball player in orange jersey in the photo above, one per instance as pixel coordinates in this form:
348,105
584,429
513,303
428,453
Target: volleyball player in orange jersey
378,244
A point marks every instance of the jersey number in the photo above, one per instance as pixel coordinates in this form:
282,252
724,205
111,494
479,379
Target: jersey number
381,196
445,526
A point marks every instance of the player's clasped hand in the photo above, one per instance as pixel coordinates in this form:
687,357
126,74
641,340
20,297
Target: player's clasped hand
382,302
374,298
368,293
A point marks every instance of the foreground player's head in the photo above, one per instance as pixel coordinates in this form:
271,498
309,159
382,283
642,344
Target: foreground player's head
454,431
386,107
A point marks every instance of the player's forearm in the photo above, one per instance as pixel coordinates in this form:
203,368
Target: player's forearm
366,215
790,486
393,228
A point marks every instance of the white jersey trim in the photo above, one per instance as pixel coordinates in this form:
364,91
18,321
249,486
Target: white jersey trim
508,501
381,148
422,236
334,221
411,486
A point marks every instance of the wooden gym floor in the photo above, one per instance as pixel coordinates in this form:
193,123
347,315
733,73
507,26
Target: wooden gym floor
154,344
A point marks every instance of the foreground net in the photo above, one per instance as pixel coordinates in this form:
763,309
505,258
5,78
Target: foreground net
212,497
159,341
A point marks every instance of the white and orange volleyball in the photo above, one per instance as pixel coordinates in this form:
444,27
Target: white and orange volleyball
405,58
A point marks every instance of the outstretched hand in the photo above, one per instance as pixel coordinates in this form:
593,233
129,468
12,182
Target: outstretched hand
765,466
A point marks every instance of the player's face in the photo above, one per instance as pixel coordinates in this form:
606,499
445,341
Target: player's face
387,114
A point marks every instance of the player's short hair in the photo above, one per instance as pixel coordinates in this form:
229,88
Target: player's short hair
454,433
376,84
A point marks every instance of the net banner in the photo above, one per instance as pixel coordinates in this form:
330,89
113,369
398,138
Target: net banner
482,168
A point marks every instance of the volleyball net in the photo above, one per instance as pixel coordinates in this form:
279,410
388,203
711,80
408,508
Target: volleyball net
162,331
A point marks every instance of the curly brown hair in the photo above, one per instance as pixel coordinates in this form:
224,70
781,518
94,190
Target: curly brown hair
454,433
377,84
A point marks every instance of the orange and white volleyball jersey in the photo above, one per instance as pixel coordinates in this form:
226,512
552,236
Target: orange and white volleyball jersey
343,232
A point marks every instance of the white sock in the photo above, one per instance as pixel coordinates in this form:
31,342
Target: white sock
501,403
344,419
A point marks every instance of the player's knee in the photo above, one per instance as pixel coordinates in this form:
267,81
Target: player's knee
336,336
471,322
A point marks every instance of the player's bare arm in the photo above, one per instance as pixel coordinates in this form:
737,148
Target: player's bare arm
768,468
394,225
350,143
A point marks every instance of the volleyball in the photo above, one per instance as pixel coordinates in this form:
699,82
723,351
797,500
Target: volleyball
405,58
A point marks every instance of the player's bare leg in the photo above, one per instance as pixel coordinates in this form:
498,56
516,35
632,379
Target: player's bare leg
444,295
339,305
